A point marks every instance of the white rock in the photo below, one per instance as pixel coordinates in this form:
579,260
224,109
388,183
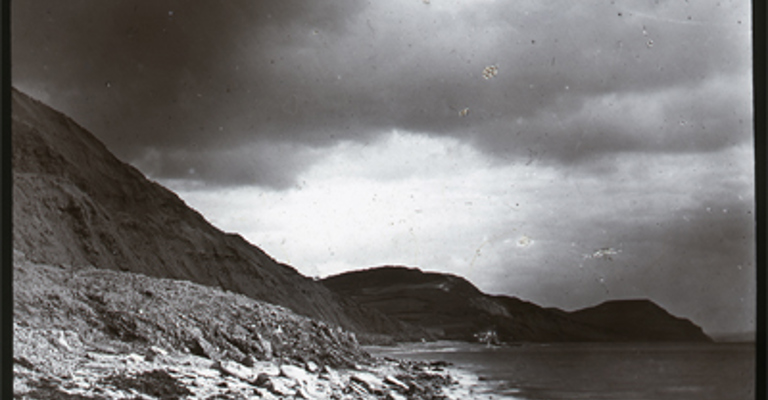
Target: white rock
320,391
358,389
395,382
154,352
283,386
207,373
331,376
266,348
370,381
133,357
301,393
265,394
395,396
237,370
158,350
266,367
62,341
295,373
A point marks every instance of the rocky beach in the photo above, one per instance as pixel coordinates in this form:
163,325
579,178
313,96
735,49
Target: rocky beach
97,373
86,333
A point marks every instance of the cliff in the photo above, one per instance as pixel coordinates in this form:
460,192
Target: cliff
75,204
450,307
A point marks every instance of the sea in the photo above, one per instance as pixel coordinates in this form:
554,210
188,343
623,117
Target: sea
613,371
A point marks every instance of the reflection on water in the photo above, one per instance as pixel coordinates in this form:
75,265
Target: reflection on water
601,371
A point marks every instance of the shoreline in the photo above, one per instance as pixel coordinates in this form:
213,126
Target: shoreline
467,384
470,386
55,363
91,334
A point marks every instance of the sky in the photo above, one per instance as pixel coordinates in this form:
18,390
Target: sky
564,153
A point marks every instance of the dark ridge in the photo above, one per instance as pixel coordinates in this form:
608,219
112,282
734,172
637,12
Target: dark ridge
452,308
640,320
386,276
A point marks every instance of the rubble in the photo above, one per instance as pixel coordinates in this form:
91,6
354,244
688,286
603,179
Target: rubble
92,334
174,375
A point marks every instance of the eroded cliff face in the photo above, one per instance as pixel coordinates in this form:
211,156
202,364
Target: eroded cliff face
450,307
75,204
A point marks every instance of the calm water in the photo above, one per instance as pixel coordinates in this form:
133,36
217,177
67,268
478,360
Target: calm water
600,371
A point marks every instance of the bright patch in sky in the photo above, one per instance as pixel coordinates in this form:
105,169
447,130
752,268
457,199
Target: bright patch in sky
396,201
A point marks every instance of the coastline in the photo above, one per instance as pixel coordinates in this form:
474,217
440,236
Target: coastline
53,363
692,371
470,386
466,383
86,333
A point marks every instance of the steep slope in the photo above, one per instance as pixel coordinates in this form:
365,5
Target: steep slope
640,320
452,308
124,310
96,334
75,204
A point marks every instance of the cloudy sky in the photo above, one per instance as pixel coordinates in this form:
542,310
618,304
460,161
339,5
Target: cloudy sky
565,154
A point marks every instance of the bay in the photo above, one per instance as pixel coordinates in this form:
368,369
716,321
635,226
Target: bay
612,371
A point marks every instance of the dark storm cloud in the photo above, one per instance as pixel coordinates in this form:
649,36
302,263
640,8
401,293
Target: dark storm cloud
176,76
222,167
675,121
160,73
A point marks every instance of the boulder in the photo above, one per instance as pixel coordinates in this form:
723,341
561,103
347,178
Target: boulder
396,383
395,396
133,358
330,375
265,394
312,367
249,361
356,388
282,386
295,373
266,368
370,382
264,348
154,352
237,370
264,380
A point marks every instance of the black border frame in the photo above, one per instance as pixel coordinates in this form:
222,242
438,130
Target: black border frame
760,111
